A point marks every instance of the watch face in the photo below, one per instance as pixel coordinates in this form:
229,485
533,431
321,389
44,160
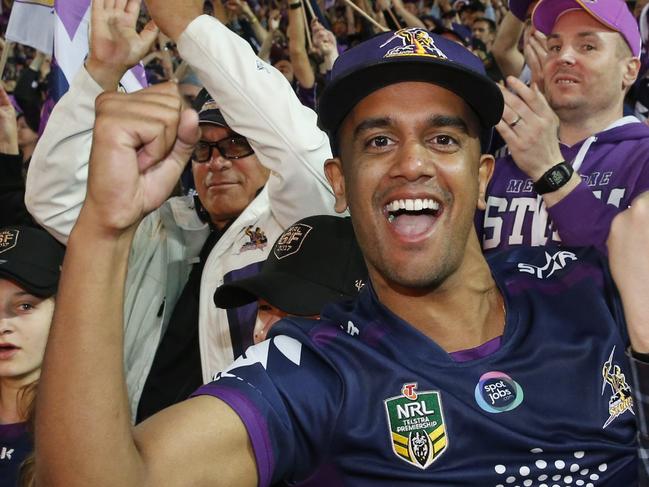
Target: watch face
557,177
554,178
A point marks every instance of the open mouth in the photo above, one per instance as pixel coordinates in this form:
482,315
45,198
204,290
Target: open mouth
566,80
7,350
412,217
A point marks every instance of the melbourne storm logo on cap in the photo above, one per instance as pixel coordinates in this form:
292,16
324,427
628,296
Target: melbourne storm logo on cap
414,42
209,105
8,239
291,240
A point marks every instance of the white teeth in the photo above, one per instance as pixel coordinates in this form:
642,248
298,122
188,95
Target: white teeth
412,205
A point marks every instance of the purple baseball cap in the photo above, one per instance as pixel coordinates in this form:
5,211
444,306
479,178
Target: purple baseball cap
613,14
411,54
520,7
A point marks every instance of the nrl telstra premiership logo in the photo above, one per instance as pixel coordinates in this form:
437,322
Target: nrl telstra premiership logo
417,428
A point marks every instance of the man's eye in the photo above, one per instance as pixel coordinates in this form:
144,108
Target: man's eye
444,140
379,141
25,307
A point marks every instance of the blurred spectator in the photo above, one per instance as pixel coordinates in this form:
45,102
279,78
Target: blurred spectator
29,274
12,181
513,34
191,238
301,273
575,161
484,33
484,30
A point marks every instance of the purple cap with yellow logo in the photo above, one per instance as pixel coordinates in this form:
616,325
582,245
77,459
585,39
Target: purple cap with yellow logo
613,14
411,54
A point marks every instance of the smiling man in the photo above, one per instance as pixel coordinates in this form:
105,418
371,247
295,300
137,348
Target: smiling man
575,160
447,369
258,168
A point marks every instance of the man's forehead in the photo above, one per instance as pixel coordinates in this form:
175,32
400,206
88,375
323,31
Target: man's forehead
415,101
214,132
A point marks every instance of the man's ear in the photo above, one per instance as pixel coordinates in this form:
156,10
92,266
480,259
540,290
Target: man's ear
632,69
487,164
334,172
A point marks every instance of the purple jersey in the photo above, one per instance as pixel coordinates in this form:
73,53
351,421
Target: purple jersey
362,398
15,445
614,167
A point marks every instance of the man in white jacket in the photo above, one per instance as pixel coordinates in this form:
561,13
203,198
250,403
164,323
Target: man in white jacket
256,102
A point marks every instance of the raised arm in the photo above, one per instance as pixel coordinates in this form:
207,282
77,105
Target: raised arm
505,49
579,216
82,400
325,43
410,19
241,9
297,44
56,182
257,102
628,245
274,17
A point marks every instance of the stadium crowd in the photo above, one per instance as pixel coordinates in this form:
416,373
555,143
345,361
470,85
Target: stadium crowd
330,242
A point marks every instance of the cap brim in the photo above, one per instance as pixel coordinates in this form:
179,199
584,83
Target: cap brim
479,92
212,117
279,289
7,271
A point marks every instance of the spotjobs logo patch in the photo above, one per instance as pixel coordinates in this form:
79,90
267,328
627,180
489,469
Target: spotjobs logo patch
496,392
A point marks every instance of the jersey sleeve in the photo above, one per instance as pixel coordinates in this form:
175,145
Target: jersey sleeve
58,172
583,219
288,397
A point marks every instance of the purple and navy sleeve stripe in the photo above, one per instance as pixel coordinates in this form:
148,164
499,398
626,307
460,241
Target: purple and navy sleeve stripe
254,422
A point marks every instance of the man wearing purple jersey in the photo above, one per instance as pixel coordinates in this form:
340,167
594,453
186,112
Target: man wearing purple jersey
574,160
447,370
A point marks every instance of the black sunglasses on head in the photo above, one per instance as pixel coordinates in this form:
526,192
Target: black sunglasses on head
231,147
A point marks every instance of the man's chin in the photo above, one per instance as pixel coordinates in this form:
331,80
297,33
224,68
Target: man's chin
414,278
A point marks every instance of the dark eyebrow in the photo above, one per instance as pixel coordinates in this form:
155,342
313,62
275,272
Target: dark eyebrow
449,121
372,123
434,121
21,294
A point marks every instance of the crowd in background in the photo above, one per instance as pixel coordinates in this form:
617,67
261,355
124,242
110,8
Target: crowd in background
301,39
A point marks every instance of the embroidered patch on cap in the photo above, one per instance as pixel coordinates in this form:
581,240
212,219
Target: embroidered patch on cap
209,105
414,42
8,239
291,240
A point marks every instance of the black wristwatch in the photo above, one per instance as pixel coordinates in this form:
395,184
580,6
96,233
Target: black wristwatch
554,178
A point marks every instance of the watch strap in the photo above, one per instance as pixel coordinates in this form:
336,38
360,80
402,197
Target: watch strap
554,178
